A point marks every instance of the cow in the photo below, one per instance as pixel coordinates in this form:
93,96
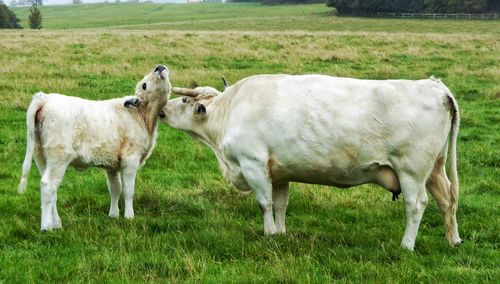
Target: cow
269,130
64,131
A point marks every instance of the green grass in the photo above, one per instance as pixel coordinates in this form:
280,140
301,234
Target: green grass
235,16
190,225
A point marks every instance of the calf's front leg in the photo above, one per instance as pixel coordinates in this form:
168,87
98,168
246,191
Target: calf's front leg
115,189
128,174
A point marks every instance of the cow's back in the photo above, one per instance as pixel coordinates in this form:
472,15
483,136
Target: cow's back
322,129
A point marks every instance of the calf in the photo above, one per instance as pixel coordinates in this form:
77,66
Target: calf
269,130
65,131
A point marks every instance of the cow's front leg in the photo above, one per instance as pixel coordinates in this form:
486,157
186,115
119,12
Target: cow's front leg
280,203
128,174
256,177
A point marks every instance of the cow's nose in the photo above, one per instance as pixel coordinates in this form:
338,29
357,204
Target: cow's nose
162,114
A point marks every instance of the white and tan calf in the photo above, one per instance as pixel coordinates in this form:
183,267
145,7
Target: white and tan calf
64,131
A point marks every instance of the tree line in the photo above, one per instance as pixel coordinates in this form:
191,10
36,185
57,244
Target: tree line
271,2
9,20
346,7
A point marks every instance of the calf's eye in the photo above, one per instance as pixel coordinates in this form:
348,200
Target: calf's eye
144,86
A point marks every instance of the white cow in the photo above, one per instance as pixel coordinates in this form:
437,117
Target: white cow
65,131
269,130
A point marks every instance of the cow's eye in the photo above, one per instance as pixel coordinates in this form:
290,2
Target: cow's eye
184,100
144,86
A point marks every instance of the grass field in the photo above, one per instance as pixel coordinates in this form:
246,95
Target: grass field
235,16
190,225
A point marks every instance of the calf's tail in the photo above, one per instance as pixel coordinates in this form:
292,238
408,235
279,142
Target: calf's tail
31,119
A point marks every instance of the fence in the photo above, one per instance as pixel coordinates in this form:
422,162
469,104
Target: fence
428,15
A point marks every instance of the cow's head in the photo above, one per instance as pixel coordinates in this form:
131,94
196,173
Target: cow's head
190,109
153,87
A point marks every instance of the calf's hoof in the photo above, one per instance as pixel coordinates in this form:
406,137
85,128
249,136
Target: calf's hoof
114,214
46,227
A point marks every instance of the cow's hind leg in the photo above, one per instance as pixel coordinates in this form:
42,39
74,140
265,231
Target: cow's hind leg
115,189
280,203
415,197
439,186
257,178
51,179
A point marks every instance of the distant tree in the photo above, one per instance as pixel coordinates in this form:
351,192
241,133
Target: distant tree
35,18
8,19
374,6
414,6
77,1
117,1
462,6
492,6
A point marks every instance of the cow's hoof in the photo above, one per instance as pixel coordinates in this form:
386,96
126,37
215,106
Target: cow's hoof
129,215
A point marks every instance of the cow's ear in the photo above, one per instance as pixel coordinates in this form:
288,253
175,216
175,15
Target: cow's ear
200,110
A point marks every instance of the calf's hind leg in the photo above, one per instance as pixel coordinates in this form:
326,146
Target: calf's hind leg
51,179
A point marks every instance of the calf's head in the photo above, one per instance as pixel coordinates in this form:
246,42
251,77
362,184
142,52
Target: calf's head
189,110
154,87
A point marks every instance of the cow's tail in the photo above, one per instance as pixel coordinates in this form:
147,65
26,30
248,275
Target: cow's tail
36,105
455,123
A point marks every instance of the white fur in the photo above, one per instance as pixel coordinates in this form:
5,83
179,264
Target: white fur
65,131
269,130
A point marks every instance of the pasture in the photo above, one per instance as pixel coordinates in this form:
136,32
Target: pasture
190,225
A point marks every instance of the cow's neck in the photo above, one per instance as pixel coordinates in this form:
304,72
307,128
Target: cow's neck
210,136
